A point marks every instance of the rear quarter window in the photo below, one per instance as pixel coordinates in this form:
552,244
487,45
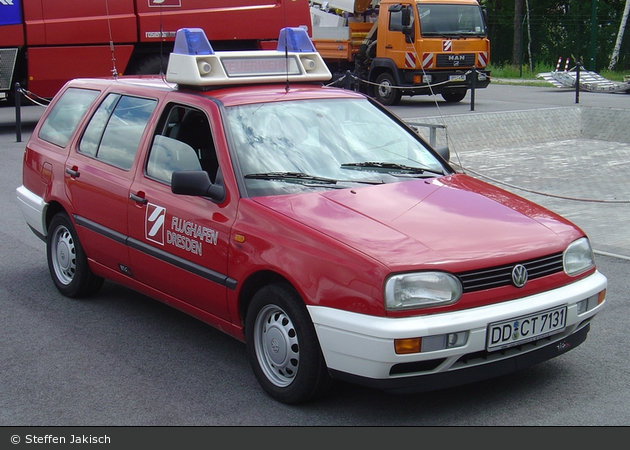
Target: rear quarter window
64,117
115,130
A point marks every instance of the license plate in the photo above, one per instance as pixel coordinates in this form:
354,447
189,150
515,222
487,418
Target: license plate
457,78
520,330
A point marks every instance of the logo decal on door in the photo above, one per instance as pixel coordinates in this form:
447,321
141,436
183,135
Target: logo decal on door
154,223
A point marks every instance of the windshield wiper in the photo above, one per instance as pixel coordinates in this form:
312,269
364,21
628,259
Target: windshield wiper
289,176
302,178
390,167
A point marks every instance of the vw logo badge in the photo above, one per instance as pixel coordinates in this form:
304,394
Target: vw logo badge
519,275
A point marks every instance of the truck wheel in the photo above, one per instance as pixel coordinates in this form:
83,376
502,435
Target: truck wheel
67,262
282,346
454,95
386,93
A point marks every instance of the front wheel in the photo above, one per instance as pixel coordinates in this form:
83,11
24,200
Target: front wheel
386,91
454,95
282,346
67,262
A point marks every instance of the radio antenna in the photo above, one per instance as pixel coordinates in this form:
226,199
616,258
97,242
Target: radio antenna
111,41
161,45
286,44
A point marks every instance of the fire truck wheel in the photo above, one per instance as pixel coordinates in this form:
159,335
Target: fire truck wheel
67,262
282,346
386,93
454,95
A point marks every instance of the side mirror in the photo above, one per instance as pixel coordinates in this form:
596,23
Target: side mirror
406,18
444,152
196,183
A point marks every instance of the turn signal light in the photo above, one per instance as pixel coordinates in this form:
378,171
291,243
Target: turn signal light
407,346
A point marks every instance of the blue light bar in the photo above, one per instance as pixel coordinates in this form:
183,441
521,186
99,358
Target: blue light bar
193,62
296,40
192,41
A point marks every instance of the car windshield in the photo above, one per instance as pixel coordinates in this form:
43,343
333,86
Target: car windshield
293,146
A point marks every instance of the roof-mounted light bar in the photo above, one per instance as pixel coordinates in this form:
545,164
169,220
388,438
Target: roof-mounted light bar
195,63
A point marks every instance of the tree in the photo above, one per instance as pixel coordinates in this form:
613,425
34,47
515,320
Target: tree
622,28
518,33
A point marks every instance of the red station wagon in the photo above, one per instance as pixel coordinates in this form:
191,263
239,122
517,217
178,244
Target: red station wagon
306,221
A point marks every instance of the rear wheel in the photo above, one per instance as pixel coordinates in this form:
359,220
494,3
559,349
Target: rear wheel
386,92
282,346
67,262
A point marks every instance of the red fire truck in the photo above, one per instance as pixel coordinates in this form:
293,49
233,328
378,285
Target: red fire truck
124,36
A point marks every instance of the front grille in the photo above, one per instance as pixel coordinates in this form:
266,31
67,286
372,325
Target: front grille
494,277
7,65
455,60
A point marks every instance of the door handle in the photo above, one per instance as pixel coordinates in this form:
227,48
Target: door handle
73,172
138,198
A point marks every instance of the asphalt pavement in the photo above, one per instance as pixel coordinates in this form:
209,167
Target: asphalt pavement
123,360
568,151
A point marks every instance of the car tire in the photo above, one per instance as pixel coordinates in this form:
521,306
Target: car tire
67,262
282,346
386,92
454,95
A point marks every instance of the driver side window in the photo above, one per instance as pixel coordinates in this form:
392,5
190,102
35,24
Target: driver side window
183,142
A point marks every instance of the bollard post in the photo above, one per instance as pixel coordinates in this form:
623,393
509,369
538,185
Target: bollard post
577,82
18,113
473,83
348,80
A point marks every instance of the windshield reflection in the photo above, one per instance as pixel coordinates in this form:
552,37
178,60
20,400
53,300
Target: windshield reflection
321,139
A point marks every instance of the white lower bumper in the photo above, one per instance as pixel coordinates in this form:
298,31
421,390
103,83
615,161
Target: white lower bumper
363,345
33,209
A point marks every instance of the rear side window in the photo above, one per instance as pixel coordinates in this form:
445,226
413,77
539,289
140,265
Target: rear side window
60,124
115,130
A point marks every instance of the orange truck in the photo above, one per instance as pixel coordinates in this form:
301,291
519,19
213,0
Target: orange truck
44,43
391,48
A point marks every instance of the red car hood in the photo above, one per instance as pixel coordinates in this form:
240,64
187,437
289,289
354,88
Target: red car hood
455,220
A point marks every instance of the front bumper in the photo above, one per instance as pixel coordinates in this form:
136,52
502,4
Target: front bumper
360,348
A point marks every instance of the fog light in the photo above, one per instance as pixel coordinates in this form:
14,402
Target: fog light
582,306
430,343
589,303
457,339
427,79
481,76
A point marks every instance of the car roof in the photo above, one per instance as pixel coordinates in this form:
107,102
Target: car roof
228,95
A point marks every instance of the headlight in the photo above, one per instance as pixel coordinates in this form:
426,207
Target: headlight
421,290
578,257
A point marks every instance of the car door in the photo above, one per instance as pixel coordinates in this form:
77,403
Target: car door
179,243
99,173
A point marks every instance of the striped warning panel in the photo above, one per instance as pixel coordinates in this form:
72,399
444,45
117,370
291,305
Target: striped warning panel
482,59
410,60
427,60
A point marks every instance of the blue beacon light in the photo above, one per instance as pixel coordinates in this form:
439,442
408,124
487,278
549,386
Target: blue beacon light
192,41
295,39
